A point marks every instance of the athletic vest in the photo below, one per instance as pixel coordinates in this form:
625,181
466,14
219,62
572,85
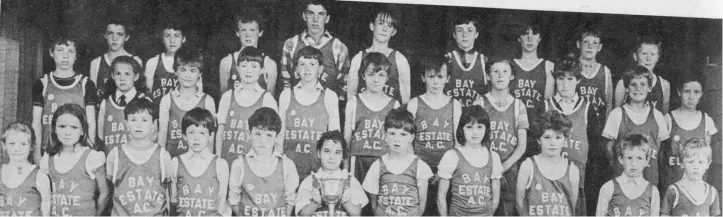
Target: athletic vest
670,167
104,75
197,195
471,188
503,127
466,83
56,96
324,210
593,89
622,205
529,87
649,129
398,194
547,197
23,200
174,139
163,82
304,126
391,88
236,137
114,129
328,78
73,191
435,134
263,196
139,190
685,205
576,145
234,78
655,97
368,136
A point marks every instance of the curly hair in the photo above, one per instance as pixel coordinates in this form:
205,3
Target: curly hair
632,142
695,147
551,120
21,127
334,136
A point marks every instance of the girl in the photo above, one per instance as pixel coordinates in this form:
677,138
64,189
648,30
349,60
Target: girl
25,191
127,83
332,150
75,169
463,165
691,196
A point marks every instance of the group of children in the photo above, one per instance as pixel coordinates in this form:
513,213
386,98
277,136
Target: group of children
488,137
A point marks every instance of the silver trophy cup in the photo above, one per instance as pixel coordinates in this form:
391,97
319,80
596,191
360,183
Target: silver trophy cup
331,190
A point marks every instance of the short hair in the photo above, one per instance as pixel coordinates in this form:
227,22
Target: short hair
637,71
173,24
327,4
465,19
199,117
64,40
120,21
309,52
495,60
77,111
334,136
400,118
188,57
551,120
649,40
434,63
265,119
567,66
687,77
251,54
387,15
377,61
250,16
591,33
138,106
694,147
632,142
471,115
21,127
534,26
140,84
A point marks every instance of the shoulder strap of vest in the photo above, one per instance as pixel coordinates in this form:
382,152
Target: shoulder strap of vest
676,190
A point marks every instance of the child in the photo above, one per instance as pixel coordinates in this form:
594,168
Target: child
237,105
249,28
25,190
646,54
139,170
630,194
533,82
691,196
397,181
307,110
636,117
188,95
59,87
198,175
128,85
76,170
398,85
684,123
576,109
508,129
160,72
467,67
263,172
366,112
473,170
116,34
547,184
312,200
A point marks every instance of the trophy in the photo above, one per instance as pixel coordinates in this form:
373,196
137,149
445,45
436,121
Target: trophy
331,190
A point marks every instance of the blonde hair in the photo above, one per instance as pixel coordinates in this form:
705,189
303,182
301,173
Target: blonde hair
21,127
695,147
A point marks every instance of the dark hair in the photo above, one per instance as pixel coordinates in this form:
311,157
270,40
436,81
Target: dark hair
327,4
251,54
495,60
687,77
64,40
198,117
140,105
377,60
55,146
175,23
139,84
591,33
567,66
650,40
334,136
188,56
120,21
632,141
387,15
21,127
473,114
435,63
534,26
400,118
265,119
249,16
636,71
551,120
465,19
308,52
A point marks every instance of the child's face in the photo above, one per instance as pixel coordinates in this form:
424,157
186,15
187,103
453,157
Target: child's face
589,47
690,94
64,55
249,71
634,161
375,81
124,76
68,130
435,81
529,41
647,55
331,155
249,34
695,166
638,89
551,142
474,133
188,75
263,140
566,85
115,36
465,35
198,138
308,69
501,75
399,140
316,18
382,28
17,145
140,125
173,40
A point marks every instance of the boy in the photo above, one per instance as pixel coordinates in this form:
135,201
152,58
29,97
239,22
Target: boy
116,34
334,63
139,170
636,117
188,95
398,175
646,54
692,196
249,28
307,110
263,172
467,65
237,105
397,86
198,175
59,87
615,195
161,77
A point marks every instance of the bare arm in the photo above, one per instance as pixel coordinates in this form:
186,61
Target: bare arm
522,179
422,196
272,72
619,94
219,139
519,151
604,199
609,147
224,69
549,81
404,78
38,128
163,114
456,116
666,96
90,113
150,71
333,109
223,176
442,199
608,91
655,202
93,74
495,193
43,185
353,78
103,190
575,179
284,100
101,120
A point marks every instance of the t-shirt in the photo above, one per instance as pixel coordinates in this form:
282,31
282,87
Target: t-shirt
90,97
615,118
